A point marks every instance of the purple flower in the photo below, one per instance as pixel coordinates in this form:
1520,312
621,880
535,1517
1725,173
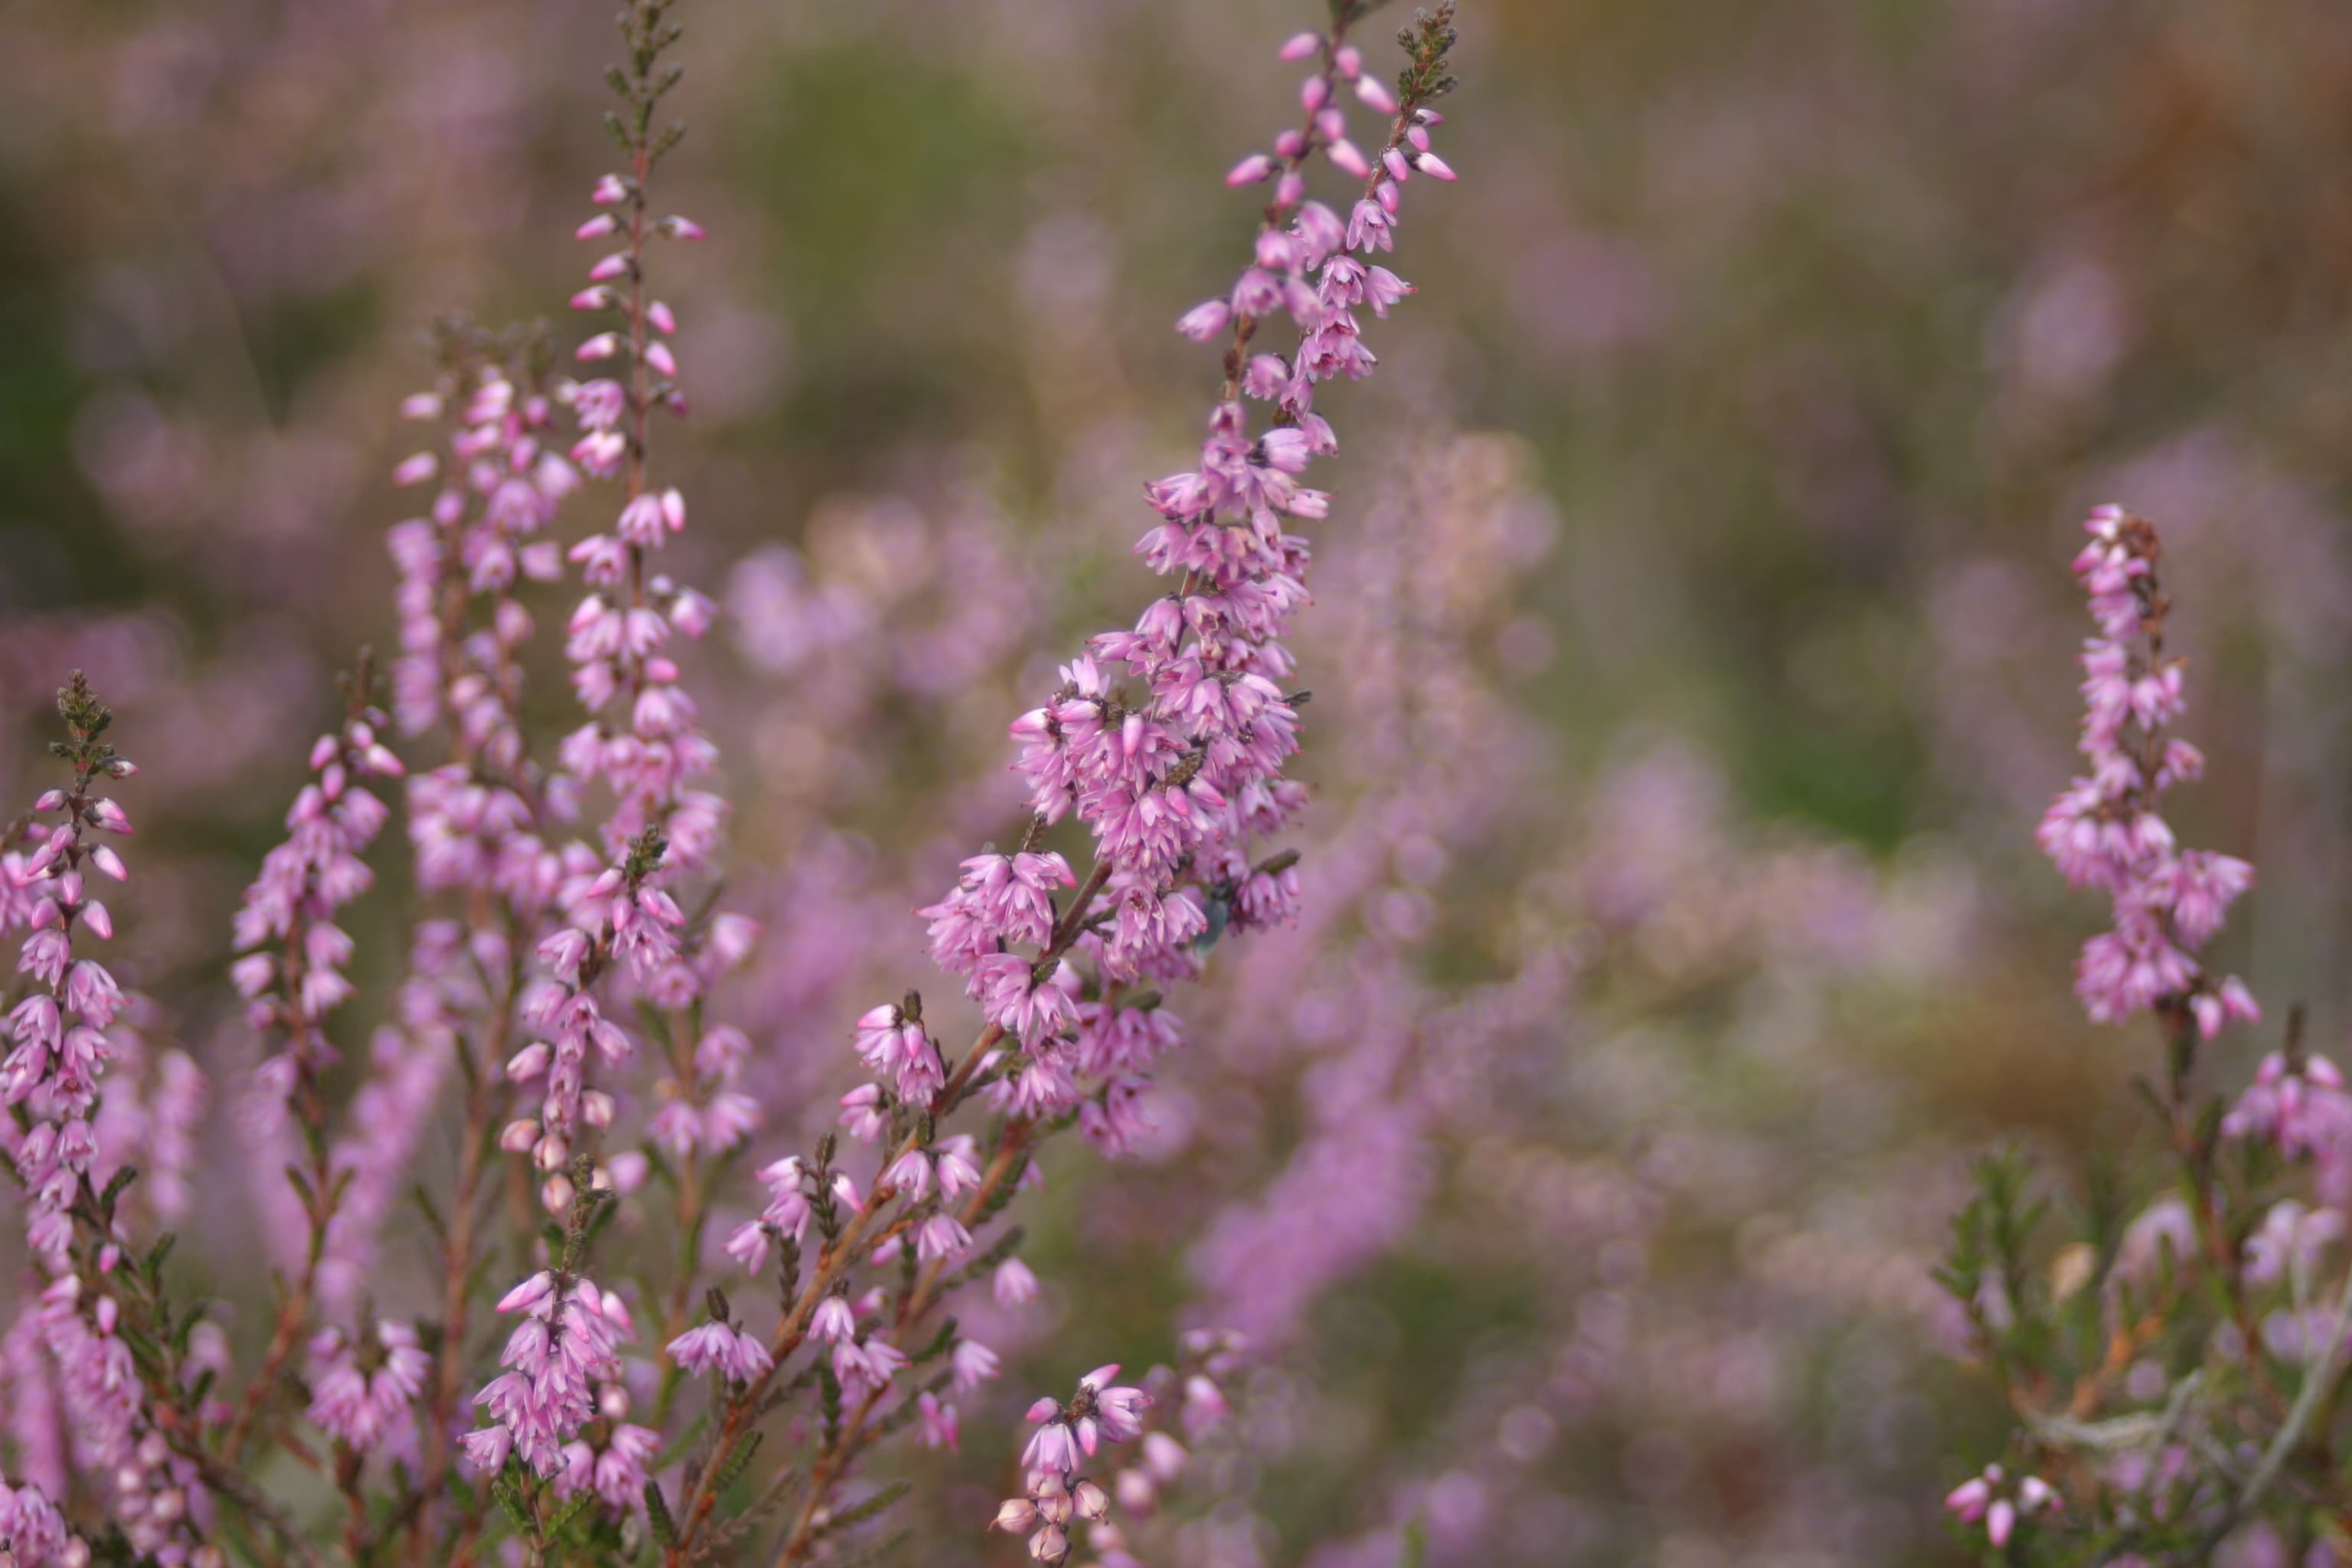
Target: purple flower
2104,830
715,1347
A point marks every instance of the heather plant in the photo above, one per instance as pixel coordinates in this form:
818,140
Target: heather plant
642,1340
2175,1357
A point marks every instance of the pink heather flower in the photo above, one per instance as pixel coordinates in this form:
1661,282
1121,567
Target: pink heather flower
1016,1285
1999,1506
1053,1445
2300,1106
568,1338
870,1364
938,1421
361,1406
1250,169
715,1347
620,1473
33,1530
1205,321
834,1320
941,1237
2290,1237
973,1364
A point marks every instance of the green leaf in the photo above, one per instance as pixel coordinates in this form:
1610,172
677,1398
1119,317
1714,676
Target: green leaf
738,1461
658,1514
871,1509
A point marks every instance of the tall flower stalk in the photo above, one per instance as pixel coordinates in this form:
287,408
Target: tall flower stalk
2176,1373
1167,742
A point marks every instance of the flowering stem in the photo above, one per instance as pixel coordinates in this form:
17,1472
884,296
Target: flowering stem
855,1434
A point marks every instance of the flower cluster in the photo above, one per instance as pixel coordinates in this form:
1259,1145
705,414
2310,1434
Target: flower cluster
364,1388
645,739
476,821
2106,831
2000,1505
32,1534
482,537
619,914
59,1028
52,1079
1056,1492
566,1343
292,975
1167,741
2298,1105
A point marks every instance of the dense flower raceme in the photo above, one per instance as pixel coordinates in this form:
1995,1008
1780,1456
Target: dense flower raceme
51,1080
291,974
484,535
59,1028
2106,831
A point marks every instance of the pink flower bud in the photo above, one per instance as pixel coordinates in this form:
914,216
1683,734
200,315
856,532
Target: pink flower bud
596,227
529,1293
1205,320
1249,171
1302,44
